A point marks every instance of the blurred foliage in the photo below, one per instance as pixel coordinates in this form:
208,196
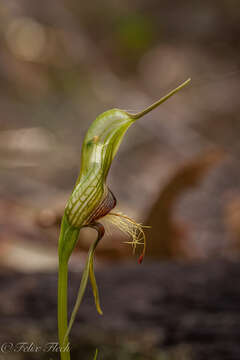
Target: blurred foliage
67,61
134,35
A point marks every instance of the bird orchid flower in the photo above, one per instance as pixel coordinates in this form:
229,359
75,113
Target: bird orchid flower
91,201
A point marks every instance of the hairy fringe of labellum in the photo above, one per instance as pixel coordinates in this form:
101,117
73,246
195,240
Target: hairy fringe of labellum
130,227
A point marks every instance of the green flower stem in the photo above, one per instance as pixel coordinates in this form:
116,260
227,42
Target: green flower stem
62,309
67,241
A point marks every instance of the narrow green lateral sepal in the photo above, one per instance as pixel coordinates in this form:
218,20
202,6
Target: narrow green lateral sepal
96,355
95,287
88,271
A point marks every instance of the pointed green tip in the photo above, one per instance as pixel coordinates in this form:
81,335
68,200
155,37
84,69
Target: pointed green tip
160,101
99,310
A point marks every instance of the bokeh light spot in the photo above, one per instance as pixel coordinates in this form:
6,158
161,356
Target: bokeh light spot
26,38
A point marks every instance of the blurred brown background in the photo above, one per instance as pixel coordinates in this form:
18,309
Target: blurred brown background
64,62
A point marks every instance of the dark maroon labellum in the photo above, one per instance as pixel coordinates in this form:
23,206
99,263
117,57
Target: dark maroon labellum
107,204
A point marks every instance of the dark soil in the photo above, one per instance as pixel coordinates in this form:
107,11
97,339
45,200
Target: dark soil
174,310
